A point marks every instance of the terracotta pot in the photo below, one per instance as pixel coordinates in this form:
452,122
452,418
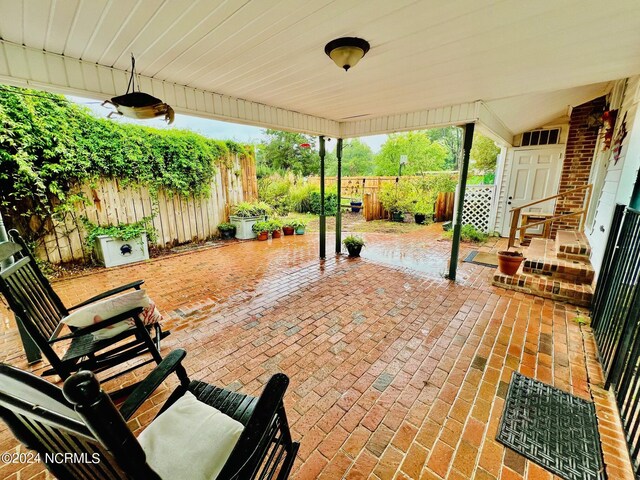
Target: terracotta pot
509,262
288,230
276,234
262,236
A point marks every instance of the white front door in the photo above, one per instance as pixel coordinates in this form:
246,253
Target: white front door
534,175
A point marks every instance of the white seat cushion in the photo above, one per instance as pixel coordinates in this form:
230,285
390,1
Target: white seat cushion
190,440
110,307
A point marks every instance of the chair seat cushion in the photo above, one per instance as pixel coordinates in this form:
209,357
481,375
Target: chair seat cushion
110,307
190,440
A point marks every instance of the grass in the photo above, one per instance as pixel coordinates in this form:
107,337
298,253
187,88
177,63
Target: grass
385,226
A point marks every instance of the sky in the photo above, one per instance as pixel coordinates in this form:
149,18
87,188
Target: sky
208,127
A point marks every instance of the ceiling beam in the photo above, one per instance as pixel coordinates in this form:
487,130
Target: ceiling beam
31,68
492,125
460,114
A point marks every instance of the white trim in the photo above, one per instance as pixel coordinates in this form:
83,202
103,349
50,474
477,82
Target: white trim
28,67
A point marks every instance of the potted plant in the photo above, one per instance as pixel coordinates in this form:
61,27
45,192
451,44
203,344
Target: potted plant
245,214
394,201
227,230
423,212
356,205
509,262
261,230
274,228
299,226
354,245
120,244
287,226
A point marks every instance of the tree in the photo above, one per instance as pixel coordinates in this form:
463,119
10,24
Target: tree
357,160
451,139
423,154
284,151
484,153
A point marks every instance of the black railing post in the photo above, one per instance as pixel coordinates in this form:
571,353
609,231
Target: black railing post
462,186
339,212
323,221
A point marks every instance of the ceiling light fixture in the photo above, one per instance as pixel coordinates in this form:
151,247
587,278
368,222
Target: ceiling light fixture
346,52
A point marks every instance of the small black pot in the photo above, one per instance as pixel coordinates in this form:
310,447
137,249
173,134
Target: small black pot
420,218
356,206
354,250
397,217
227,234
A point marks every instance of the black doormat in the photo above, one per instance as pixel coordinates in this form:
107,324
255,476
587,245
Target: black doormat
556,430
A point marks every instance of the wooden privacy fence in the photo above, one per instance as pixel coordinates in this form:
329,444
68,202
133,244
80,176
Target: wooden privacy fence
176,219
368,188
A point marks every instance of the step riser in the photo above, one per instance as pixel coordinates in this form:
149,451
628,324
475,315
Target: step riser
562,272
546,288
574,256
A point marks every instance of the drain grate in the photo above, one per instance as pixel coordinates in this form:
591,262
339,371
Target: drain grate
555,429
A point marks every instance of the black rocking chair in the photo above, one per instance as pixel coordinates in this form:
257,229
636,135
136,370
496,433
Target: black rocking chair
84,421
34,302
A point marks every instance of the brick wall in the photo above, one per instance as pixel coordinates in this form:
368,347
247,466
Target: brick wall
581,144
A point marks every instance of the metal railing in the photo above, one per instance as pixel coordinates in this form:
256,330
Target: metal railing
616,321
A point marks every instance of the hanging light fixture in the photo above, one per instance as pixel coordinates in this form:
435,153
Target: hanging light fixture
346,52
137,104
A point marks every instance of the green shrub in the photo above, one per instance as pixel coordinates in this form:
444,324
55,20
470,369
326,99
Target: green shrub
224,227
274,190
330,203
469,233
299,196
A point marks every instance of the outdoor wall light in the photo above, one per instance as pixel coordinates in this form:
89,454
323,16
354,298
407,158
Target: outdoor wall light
346,52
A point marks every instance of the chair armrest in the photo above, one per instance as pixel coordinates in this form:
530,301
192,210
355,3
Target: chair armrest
107,322
136,285
258,426
169,364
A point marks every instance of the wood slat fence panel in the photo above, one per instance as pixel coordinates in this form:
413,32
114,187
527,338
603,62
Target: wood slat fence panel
177,220
368,188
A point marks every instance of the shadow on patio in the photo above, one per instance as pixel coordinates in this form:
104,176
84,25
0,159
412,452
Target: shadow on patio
395,372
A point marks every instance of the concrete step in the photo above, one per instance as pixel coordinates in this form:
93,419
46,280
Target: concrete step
572,244
541,258
545,286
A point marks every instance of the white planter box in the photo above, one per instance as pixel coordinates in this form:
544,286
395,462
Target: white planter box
112,252
243,226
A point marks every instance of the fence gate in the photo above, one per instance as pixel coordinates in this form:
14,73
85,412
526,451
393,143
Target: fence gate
616,321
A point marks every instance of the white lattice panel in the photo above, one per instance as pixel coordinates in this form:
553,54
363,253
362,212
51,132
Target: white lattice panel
478,200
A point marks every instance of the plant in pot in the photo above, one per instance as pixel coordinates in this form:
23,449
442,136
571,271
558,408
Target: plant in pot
354,245
299,226
116,245
394,200
287,226
261,229
275,228
423,212
356,204
227,230
243,216
509,262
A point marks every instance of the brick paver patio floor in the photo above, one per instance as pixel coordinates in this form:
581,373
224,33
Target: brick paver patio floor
395,372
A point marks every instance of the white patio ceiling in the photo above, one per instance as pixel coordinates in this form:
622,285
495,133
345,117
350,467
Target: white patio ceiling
513,65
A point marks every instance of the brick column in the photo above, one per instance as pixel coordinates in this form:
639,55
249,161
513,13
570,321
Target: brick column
581,145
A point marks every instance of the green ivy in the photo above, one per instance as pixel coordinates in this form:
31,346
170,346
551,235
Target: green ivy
124,232
48,146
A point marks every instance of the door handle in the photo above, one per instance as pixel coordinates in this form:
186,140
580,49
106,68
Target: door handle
510,198
508,203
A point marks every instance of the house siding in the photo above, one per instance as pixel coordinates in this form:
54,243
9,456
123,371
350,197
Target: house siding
621,175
